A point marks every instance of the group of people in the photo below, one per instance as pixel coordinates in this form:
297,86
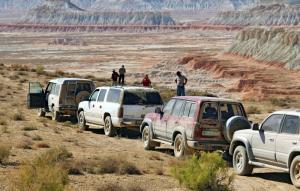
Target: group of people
119,79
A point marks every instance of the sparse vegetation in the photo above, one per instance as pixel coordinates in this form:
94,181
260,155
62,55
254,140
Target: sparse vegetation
37,138
4,153
3,122
116,187
208,172
43,173
18,117
40,70
281,102
43,145
30,128
25,144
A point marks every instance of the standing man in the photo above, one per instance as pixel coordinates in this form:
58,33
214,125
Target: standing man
114,77
146,81
122,72
181,81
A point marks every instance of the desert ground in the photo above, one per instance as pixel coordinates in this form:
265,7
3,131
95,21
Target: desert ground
153,53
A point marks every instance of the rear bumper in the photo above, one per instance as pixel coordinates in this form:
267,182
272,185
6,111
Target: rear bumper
67,110
208,145
128,123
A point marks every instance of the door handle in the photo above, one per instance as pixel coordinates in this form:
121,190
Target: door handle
176,122
100,106
93,105
272,140
295,143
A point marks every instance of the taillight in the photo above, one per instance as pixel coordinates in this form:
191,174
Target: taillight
121,112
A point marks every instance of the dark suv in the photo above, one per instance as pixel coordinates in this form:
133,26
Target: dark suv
194,123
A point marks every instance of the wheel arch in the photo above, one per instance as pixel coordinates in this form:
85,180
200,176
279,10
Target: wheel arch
178,130
105,115
292,156
146,122
241,142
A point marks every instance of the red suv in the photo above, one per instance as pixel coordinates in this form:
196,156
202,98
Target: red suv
194,123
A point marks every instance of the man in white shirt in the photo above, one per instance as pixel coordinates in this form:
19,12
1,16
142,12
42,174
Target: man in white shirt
181,81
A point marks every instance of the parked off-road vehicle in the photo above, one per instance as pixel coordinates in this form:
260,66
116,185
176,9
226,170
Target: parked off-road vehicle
273,144
117,107
194,123
61,96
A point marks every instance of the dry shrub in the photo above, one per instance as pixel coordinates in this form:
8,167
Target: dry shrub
25,144
30,128
40,70
4,153
19,67
209,172
116,187
43,173
43,145
252,110
37,138
109,165
281,102
18,117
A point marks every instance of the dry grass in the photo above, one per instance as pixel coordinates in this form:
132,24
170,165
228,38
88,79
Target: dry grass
30,128
4,153
116,187
253,110
43,173
18,117
37,138
3,122
25,144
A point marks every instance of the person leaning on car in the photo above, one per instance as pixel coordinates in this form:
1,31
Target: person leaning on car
181,81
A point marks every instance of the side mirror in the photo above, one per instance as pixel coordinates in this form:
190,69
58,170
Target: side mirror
255,127
158,110
87,99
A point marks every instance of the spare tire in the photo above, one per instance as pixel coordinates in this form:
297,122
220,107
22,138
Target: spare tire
80,96
234,124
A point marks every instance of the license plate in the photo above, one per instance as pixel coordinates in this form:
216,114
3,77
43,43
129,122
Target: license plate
211,133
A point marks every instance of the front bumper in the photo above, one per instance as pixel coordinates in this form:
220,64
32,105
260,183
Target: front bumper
208,145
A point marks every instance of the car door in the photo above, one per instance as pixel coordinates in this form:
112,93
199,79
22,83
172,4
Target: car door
264,141
36,96
51,97
89,115
98,109
175,118
160,124
287,139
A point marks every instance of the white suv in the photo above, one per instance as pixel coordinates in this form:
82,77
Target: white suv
118,107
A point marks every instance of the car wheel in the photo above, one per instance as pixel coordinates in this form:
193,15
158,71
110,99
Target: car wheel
295,171
41,112
146,137
56,116
82,122
241,161
109,130
179,146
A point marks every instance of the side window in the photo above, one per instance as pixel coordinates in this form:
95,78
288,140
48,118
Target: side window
193,110
114,96
291,125
53,88
272,124
169,106
210,111
187,109
102,95
57,88
49,87
177,108
229,110
94,95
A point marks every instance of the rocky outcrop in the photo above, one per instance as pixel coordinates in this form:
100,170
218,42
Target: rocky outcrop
63,12
275,14
274,46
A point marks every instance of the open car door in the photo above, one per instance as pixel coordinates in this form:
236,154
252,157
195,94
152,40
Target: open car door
36,96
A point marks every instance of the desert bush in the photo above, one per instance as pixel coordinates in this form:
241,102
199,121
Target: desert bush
252,110
18,117
207,172
4,153
30,128
37,138
281,102
116,187
40,70
19,67
127,167
43,173
43,145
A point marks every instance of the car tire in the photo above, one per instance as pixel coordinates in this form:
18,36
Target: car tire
41,112
180,147
109,129
147,140
82,122
295,172
56,116
241,162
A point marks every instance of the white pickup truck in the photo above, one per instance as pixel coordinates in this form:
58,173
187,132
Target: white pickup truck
118,107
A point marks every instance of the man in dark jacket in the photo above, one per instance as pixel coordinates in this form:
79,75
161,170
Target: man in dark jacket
114,77
122,72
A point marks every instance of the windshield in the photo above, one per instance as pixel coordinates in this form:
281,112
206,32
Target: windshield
138,97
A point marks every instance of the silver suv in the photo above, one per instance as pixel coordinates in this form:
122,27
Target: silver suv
61,96
273,144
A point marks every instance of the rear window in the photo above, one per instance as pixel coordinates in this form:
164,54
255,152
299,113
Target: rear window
83,87
114,96
142,98
229,110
